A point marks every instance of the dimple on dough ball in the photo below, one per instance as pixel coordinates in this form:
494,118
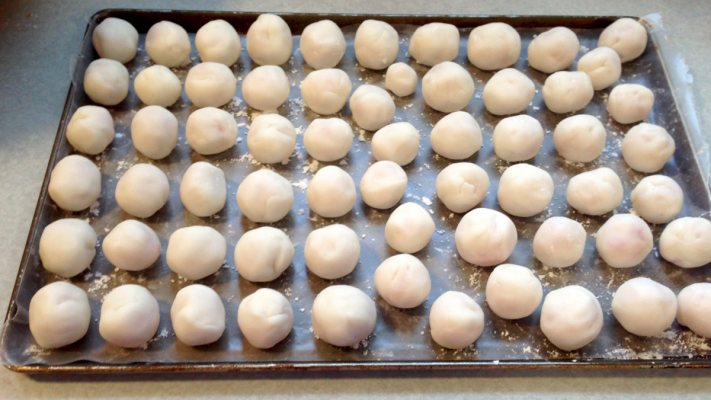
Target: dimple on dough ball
447,87
265,196
326,91
59,315
571,317
269,40
75,183
508,92
398,142
657,198
266,88
647,147
91,129
343,315
196,252
401,79
456,136
116,39
694,308
559,242
106,82
624,240
485,237
493,46
271,138
210,84
629,103
332,252
409,228
168,44
626,36
553,50
67,247
602,65
517,138
142,190
644,307
129,316
198,315
131,246
265,318
322,44
513,291
218,41
376,44
154,132
595,192
203,189
331,192
328,139
383,184
685,242
262,254
461,186
211,130
525,190
403,281
434,43
456,320
372,107
566,92
580,138
157,86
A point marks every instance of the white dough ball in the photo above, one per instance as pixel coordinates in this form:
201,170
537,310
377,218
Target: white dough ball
131,246
383,184
343,315
434,43
629,103
328,139
401,79
559,242
210,84
403,281
553,50
376,44
447,87
508,92
168,44
626,36
158,86
265,196
694,308
198,315
262,254
203,189
218,41
326,91
566,92
580,138
595,192
485,237
331,192
116,39
266,88
624,240
513,291
59,315
409,228
106,82
154,132
657,198
269,40
517,138
129,316
493,46
571,317
461,186
332,252
602,65
210,130
75,183
372,107
685,242
644,307
456,136
91,129
525,190
322,44
647,147
397,142
67,247
271,138
456,320
196,252
265,318
142,190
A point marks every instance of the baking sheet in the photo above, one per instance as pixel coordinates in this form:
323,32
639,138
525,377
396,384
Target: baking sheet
401,337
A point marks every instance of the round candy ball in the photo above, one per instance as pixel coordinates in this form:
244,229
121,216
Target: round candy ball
624,241
657,198
131,246
580,138
398,142
142,190
571,317
461,186
434,43
525,190
409,228
602,65
198,315
129,316
559,242
456,136
508,92
332,252
684,242
218,41
647,147
59,315
517,138
196,252
383,184
210,130
513,291
266,88
210,84
493,46
403,281
271,138
265,318
553,50
154,132
168,44
203,189
331,192
595,192
401,79
629,103
158,86
106,82
694,308
262,254
116,39
326,91
75,183
265,196
322,44
376,44
269,40
447,87
91,129
328,139
626,36
67,247
644,307
343,315
372,107
456,320
566,92
485,237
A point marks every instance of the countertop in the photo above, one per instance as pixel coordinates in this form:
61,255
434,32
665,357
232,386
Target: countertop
37,39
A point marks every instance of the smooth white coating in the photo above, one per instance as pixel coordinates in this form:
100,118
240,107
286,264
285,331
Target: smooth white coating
129,316
403,281
59,315
271,138
343,315
67,247
269,40
168,44
694,308
372,107
397,142
265,318
647,147
493,46
131,246
525,190
195,252
376,44
624,241
157,85
461,186
559,242
595,192
644,307
142,190
91,129
262,254
75,183
265,196
331,192
328,139
517,138
434,43
409,228
106,82
456,136
218,41
266,88
685,242
210,130
580,138
513,291
629,103
571,317
456,320
198,315
657,198
565,91
203,189
383,184
326,91
553,50
485,237
626,36
210,84
508,92
401,79
154,132
602,65
447,87
332,252
116,39
322,44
